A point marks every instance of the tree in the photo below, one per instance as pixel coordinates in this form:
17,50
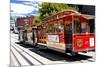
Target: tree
48,9
36,21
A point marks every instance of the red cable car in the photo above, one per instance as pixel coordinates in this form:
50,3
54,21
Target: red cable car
68,32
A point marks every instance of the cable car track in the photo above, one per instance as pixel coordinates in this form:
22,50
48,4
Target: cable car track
30,55
16,58
23,56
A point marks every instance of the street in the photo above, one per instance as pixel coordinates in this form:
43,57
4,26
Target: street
27,55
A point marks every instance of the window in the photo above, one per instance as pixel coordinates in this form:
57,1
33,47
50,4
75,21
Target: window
55,27
69,28
46,28
92,25
61,26
77,26
80,27
50,26
84,27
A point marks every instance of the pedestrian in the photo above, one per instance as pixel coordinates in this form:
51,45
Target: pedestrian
34,37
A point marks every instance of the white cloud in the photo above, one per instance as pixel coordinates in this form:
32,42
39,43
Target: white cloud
31,3
27,7
27,0
17,14
22,9
34,14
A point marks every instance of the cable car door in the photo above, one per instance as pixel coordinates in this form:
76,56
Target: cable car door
68,36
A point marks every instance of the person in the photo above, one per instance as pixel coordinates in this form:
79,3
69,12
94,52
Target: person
34,38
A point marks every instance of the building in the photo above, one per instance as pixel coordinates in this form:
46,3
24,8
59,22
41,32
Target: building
23,22
87,9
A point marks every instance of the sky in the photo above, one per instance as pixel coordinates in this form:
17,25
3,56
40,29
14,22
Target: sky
22,8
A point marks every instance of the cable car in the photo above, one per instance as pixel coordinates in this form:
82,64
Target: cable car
68,32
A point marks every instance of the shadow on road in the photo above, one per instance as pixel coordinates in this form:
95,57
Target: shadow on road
24,45
54,55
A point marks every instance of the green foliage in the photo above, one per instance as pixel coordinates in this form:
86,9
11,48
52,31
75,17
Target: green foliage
48,9
36,21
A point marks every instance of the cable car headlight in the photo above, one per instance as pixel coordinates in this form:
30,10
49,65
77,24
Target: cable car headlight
79,43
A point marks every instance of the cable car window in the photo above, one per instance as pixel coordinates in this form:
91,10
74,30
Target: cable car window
84,27
92,25
55,27
50,27
77,26
46,28
61,26
69,28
